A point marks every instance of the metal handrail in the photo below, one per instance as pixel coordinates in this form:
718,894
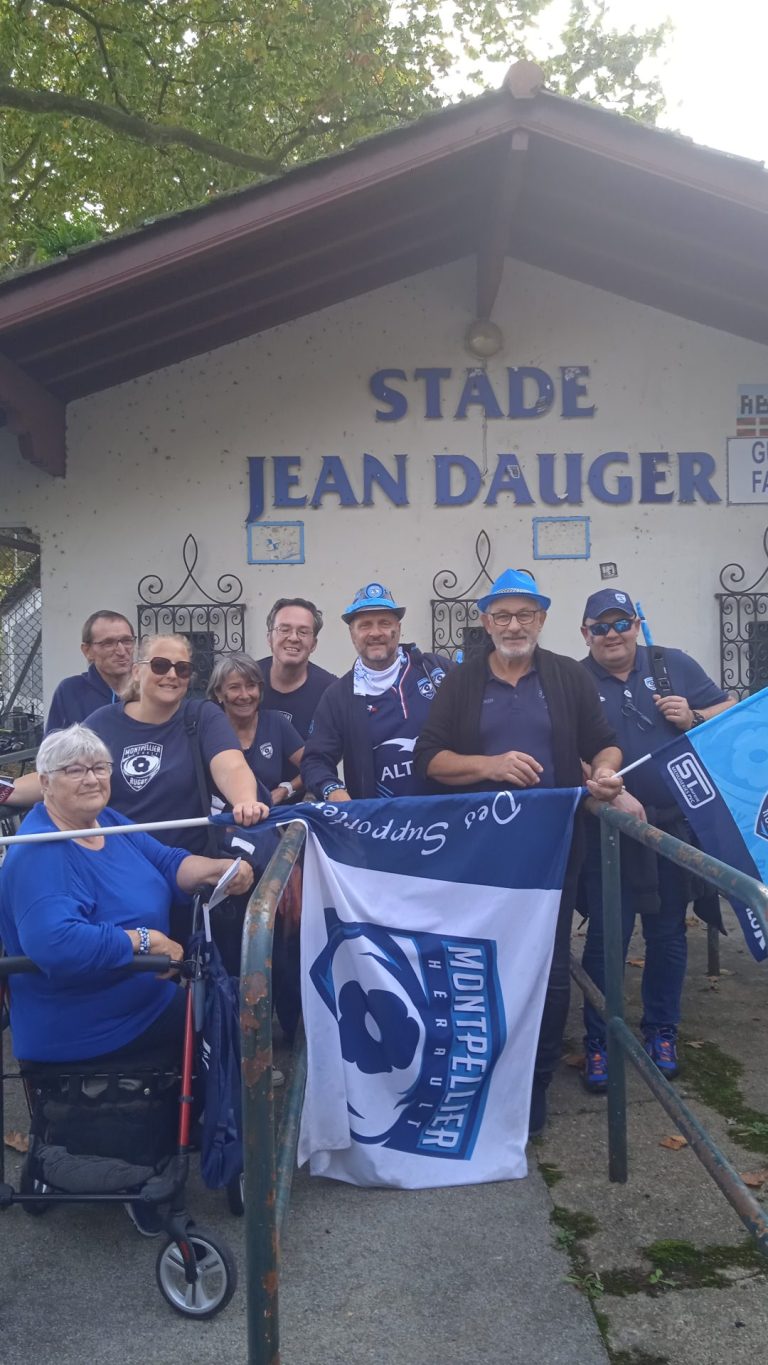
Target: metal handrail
267,1176
622,1041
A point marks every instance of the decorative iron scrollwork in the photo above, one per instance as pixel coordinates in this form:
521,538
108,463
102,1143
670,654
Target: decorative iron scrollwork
214,627
744,628
455,617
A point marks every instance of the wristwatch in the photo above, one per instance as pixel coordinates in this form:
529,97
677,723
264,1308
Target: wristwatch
332,787
698,719
287,787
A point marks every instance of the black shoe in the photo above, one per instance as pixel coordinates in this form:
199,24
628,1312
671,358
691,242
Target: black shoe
537,1119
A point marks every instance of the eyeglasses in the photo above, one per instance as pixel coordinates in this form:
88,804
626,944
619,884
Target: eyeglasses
181,667
115,642
630,712
621,626
79,770
504,618
303,632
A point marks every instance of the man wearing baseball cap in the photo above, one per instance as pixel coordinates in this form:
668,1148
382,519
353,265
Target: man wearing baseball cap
655,888
521,716
371,716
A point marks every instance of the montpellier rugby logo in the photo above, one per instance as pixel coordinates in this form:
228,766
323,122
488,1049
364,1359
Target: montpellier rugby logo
140,762
761,823
421,1025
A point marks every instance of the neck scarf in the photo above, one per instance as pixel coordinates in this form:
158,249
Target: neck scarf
373,682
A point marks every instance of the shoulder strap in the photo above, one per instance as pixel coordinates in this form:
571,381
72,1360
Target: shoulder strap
192,711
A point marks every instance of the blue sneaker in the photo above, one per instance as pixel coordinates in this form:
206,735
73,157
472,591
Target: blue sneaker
661,1046
595,1073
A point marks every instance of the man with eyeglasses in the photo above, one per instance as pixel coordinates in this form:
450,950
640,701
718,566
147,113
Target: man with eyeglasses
517,715
371,716
108,644
653,887
293,685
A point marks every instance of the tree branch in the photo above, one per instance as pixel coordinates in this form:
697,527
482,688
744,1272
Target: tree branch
99,32
130,125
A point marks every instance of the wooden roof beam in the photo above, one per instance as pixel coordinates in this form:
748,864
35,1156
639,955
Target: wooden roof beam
494,246
36,417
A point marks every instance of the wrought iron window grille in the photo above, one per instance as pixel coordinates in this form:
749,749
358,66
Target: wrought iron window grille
214,626
744,629
456,622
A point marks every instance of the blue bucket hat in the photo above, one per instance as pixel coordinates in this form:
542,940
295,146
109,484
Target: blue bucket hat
608,599
373,597
514,583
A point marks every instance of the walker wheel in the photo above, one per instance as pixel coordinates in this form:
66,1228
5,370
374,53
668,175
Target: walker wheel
216,1274
236,1195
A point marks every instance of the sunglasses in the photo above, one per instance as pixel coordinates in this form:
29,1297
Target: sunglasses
621,626
181,667
630,712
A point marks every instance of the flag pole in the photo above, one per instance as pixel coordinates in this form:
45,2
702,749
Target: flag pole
50,835
636,764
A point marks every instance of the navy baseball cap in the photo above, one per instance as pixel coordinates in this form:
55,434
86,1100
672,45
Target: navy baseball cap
373,597
514,583
608,599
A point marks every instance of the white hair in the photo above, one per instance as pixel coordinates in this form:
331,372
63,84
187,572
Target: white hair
77,744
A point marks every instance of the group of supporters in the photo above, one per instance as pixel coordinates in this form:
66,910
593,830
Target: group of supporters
402,722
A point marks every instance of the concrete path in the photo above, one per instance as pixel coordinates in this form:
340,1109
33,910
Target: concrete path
419,1278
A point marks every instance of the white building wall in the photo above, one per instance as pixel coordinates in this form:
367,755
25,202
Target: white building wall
159,457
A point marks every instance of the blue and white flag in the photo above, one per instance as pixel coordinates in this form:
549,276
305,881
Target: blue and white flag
426,939
719,775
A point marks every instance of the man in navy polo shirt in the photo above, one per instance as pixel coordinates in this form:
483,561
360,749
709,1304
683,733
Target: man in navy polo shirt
654,887
292,685
520,716
108,644
371,716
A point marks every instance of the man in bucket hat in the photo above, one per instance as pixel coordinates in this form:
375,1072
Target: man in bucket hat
371,716
520,716
655,888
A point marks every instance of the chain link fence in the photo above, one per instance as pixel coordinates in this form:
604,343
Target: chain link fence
21,674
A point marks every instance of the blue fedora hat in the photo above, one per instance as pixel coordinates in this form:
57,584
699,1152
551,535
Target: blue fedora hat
373,597
514,583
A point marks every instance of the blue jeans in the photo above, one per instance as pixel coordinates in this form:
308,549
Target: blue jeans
666,949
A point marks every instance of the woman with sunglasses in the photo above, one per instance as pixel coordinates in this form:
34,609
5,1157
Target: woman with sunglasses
154,775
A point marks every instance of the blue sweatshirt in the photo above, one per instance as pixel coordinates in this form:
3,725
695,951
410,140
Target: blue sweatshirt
76,697
66,907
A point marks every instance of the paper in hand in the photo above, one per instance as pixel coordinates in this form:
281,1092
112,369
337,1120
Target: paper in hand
219,894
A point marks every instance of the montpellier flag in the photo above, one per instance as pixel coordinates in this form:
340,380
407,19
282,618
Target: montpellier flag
719,775
426,938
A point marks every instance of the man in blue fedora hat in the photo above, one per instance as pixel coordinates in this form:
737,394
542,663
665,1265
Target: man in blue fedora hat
371,716
520,716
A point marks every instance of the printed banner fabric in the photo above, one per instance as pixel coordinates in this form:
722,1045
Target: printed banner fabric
427,933
719,775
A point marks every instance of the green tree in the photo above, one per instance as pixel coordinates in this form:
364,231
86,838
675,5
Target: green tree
116,111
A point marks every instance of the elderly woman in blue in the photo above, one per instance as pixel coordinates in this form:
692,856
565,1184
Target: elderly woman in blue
82,908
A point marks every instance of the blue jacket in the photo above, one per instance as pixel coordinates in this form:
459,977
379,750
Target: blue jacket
77,697
340,731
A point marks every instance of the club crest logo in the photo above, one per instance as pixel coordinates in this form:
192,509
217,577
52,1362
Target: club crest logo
266,750
139,763
426,689
761,823
422,1014
650,684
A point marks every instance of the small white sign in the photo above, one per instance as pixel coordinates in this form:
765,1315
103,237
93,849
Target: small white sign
747,470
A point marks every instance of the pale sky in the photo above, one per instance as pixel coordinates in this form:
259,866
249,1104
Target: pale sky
712,67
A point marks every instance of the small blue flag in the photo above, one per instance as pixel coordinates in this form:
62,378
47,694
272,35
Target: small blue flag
718,773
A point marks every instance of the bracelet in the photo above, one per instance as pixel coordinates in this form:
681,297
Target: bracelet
287,787
332,787
143,941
